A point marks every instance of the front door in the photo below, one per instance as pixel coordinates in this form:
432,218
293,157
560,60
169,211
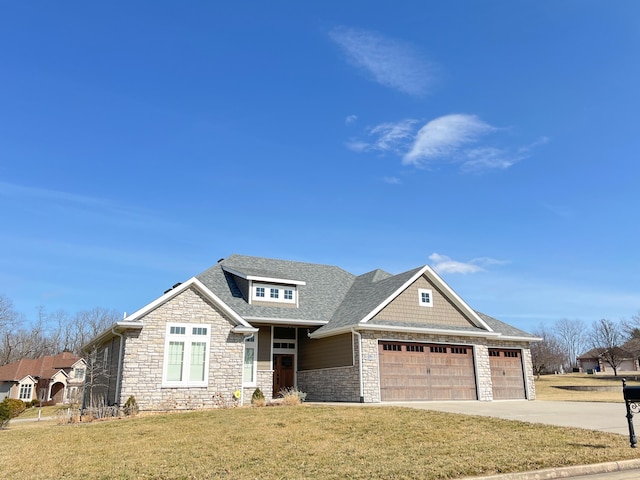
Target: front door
282,373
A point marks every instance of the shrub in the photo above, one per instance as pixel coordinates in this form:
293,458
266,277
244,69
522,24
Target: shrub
257,399
291,396
5,414
16,407
130,407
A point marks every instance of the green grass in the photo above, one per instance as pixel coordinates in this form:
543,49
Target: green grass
546,387
300,442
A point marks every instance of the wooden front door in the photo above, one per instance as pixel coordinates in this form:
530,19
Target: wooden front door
282,373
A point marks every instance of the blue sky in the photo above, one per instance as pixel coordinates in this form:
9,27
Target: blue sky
494,140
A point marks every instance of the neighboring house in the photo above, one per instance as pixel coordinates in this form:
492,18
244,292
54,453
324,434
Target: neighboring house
56,379
593,360
251,322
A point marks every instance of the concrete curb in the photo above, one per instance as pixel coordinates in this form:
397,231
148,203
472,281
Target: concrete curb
565,472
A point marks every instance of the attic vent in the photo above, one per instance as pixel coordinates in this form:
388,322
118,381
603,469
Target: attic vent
174,286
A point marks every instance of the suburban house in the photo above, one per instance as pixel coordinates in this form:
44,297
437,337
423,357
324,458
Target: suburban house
250,322
594,361
54,379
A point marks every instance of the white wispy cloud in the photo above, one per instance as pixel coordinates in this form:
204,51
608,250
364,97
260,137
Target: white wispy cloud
392,180
445,136
386,137
45,200
390,62
462,139
350,119
444,264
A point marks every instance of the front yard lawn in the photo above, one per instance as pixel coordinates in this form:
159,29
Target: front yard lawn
307,441
546,387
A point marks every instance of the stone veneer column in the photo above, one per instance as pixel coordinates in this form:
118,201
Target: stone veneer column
528,366
370,367
483,372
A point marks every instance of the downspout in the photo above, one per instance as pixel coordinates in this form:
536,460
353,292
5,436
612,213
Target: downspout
119,374
359,335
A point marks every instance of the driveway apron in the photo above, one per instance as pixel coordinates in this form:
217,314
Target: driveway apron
605,417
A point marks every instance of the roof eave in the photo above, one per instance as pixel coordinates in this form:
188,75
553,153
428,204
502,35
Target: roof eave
261,278
286,321
117,327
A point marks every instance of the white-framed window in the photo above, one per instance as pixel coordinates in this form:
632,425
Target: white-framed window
425,297
26,392
274,293
78,373
250,361
186,355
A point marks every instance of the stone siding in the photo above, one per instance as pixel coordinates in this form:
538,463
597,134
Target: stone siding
144,357
264,383
335,384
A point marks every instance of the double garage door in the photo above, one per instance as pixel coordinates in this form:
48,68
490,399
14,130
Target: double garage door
421,371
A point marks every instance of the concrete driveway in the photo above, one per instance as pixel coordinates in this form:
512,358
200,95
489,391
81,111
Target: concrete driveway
606,417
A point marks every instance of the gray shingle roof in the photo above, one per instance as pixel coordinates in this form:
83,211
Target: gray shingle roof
324,289
330,295
364,295
504,328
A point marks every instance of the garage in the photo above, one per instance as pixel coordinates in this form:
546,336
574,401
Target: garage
507,375
420,371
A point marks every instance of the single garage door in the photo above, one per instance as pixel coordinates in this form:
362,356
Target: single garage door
627,366
506,373
418,371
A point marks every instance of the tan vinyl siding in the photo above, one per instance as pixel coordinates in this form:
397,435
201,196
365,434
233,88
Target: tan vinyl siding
273,304
264,348
406,308
326,352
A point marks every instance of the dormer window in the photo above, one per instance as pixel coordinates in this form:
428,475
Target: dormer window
425,297
274,293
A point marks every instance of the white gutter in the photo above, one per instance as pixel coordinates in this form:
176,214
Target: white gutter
438,331
359,363
423,330
244,330
285,321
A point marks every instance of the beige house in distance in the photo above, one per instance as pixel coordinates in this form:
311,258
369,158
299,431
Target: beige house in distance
252,322
53,379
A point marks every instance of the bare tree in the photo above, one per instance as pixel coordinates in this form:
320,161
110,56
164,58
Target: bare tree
632,327
90,323
49,333
573,339
607,337
548,354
